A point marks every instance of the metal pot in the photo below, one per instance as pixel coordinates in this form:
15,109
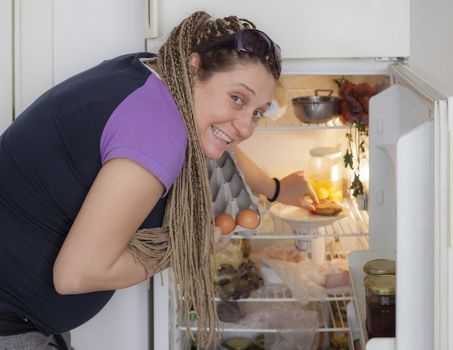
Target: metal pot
316,109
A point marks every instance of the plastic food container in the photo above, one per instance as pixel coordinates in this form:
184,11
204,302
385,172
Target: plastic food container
380,306
326,172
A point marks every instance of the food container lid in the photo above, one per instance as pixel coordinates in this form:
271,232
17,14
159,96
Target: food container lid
259,342
330,152
381,285
339,339
236,343
379,267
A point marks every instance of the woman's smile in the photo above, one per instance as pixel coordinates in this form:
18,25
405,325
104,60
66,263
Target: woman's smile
219,134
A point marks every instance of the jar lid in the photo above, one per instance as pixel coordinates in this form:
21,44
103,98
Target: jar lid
381,285
330,152
379,267
237,343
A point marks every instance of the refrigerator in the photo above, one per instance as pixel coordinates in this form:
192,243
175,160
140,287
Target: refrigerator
408,212
406,219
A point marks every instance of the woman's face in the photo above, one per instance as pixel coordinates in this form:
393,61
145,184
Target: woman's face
227,106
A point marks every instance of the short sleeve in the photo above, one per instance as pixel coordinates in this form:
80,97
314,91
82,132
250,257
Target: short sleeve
147,128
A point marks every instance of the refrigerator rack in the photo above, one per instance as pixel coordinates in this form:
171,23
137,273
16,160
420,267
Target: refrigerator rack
345,235
290,122
331,311
354,225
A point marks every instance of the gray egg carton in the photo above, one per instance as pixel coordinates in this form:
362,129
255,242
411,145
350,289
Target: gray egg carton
230,193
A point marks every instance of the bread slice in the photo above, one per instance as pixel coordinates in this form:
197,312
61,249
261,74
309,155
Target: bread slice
327,207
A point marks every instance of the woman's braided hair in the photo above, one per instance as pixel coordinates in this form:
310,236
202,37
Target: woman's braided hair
185,242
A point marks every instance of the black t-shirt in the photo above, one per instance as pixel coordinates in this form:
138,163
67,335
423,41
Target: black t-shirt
49,158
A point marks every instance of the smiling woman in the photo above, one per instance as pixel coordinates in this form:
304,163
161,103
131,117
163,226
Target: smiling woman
82,219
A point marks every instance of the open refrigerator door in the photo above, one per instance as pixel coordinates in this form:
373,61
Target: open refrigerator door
408,175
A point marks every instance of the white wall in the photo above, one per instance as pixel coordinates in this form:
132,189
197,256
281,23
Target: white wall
431,33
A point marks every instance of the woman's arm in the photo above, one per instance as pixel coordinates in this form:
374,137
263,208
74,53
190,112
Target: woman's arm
255,177
94,255
293,188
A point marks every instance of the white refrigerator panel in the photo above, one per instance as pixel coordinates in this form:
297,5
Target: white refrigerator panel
312,28
409,178
89,31
415,239
6,64
121,325
57,39
393,112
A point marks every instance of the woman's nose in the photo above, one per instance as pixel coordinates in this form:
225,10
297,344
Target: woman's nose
243,123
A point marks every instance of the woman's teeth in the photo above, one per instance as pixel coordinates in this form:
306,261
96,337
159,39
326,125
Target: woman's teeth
221,135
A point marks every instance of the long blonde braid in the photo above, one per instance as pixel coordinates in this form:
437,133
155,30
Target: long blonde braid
185,241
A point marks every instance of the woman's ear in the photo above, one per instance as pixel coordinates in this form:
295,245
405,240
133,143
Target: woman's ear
194,64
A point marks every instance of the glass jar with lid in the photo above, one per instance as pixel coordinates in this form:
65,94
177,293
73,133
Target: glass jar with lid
378,267
326,172
380,305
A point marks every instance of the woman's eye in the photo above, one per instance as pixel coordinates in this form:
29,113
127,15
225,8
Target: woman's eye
257,115
237,100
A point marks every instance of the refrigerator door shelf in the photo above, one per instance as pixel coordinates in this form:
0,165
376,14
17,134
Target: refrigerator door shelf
356,262
381,344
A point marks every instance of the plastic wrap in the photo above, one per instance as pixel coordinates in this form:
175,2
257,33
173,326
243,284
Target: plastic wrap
308,281
297,325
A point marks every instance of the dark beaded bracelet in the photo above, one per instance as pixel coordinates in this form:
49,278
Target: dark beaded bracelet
277,190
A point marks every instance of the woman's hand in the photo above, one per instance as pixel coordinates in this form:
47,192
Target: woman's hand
219,244
294,189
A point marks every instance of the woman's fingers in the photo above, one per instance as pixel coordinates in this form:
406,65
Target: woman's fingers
306,205
312,194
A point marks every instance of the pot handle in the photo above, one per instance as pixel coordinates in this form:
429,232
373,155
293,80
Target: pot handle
324,90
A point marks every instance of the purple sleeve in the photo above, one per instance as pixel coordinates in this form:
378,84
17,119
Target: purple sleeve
147,128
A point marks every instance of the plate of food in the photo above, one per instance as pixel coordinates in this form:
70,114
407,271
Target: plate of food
325,213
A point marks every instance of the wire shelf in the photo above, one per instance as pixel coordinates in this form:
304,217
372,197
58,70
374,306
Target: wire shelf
355,224
331,312
291,123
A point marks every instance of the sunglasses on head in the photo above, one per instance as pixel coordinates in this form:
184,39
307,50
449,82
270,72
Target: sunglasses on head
251,41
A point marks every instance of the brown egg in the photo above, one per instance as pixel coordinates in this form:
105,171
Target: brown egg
248,218
225,222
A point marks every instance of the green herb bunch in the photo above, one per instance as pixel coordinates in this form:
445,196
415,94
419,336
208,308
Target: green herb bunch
354,112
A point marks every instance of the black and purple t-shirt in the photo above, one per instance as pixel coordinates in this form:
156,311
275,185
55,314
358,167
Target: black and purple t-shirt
50,156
